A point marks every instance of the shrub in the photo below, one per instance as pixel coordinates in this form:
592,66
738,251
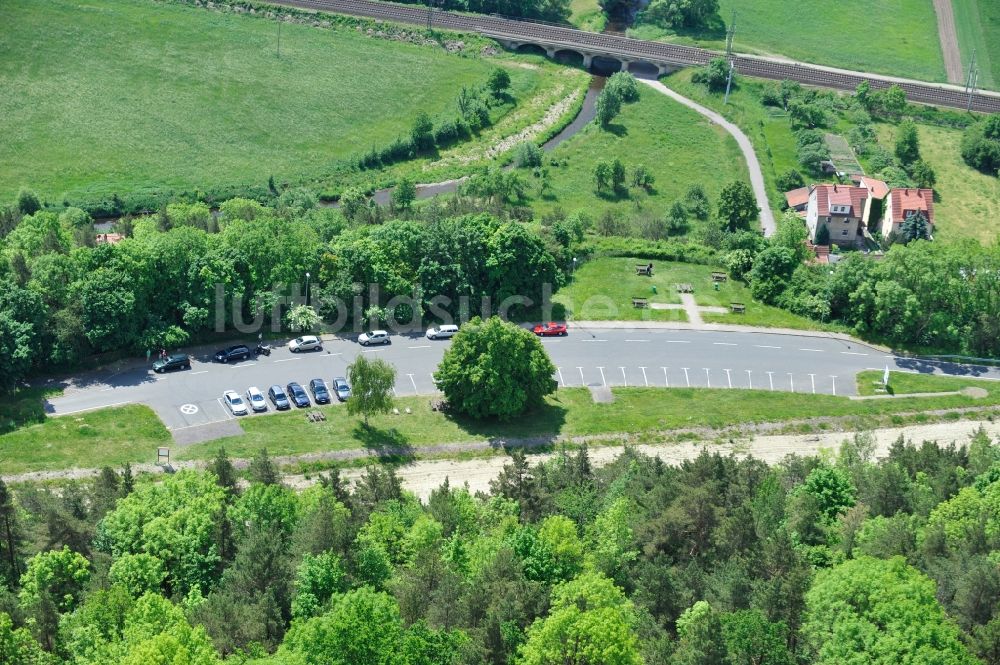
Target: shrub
697,202
789,180
624,85
714,75
981,145
527,155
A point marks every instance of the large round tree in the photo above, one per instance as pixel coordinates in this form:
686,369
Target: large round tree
495,369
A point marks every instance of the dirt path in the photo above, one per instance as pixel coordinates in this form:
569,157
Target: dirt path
949,41
753,166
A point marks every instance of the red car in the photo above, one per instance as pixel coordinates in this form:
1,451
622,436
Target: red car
550,329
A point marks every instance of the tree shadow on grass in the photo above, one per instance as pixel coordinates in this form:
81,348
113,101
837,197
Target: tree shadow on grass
26,407
385,443
535,429
617,129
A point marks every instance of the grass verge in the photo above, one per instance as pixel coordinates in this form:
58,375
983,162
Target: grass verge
903,383
978,25
131,434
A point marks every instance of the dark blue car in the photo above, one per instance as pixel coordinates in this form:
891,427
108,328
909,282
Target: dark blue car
297,395
319,390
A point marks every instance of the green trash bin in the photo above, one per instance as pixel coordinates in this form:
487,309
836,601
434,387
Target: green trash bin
654,289
716,284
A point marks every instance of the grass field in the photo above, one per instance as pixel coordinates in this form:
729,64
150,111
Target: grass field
192,98
677,145
897,37
968,203
905,383
602,289
587,15
978,25
131,434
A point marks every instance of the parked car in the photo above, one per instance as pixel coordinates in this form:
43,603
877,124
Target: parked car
550,329
170,363
374,337
278,398
229,354
320,393
235,403
297,395
256,399
341,388
442,332
305,343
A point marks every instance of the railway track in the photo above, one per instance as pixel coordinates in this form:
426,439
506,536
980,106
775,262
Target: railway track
637,49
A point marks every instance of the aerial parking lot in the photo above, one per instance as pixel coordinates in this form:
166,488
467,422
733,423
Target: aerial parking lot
585,357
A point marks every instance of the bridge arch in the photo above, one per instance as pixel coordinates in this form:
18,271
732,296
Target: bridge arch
643,69
531,49
569,57
605,64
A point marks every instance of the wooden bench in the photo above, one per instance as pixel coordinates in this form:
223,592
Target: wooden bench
738,308
719,276
640,302
315,416
646,270
684,288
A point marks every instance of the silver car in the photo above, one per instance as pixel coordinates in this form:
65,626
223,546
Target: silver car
256,399
305,343
235,403
341,388
442,332
374,337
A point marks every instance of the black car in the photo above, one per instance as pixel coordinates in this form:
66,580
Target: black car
238,352
278,398
318,388
297,395
170,363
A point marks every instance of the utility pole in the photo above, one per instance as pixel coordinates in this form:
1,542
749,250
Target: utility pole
972,68
972,89
729,81
730,34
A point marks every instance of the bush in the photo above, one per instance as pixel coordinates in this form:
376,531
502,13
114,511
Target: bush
498,81
881,159
624,85
981,145
527,155
422,133
447,132
697,202
714,75
789,180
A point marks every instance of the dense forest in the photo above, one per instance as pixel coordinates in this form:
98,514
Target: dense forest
721,560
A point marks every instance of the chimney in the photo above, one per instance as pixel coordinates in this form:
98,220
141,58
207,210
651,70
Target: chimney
834,186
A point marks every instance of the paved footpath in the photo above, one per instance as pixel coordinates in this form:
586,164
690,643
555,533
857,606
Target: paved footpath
756,175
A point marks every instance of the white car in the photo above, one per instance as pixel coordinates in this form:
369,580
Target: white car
256,399
235,403
305,343
442,332
374,337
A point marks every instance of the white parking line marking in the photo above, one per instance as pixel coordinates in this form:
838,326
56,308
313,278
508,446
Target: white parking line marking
222,406
766,346
338,353
593,340
678,341
834,380
644,376
749,380
624,378
770,379
813,350
686,376
285,360
637,340
812,378
723,344
91,408
853,353
204,371
414,383
362,351
603,382
423,346
583,382
708,380
666,381
561,380
729,378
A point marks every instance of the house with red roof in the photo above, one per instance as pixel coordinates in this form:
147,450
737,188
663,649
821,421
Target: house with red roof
840,209
902,202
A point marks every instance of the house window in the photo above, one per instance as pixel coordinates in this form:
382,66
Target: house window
844,232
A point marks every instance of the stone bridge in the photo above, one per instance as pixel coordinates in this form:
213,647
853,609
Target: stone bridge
587,58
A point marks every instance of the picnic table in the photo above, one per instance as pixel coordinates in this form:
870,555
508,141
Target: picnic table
719,276
646,270
684,288
738,308
316,416
640,302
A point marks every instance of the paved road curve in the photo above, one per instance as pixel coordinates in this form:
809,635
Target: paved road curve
637,49
767,223
587,357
